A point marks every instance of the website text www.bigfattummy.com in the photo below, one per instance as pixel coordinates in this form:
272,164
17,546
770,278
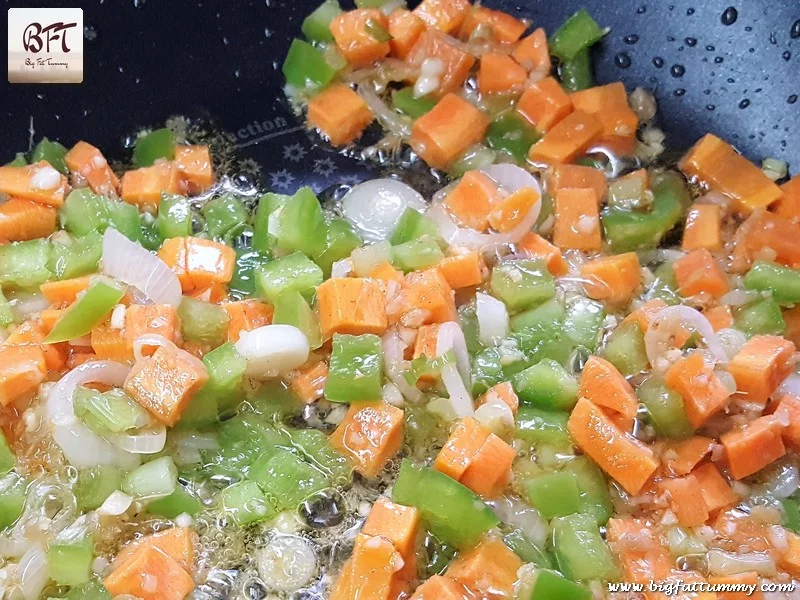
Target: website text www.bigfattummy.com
674,587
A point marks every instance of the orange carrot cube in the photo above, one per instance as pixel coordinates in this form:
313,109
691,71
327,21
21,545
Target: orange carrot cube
698,273
65,291
441,588
720,317
38,183
577,176
22,369
110,344
680,457
753,446
715,491
308,384
351,305
609,104
702,392
143,319
352,32
444,15
532,52
577,223
683,493
506,213
339,113
405,28
143,187
87,163
613,279
370,434
567,140
544,104
604,385
425,297
246,315
150,575
762,363
788,207
195,166
535,245
457,62
177,542
32,333
471,199
790,406
443,134
463,270
22,220
490,569
461,447
702,229
504,28
500,74
501,393
197,262
397,523
489,471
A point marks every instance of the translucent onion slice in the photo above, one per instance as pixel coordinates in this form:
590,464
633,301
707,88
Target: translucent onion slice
32,573
451,337
393,348
374,207
131,263
670,321
149,441
492,319
272,350
460,398
116,504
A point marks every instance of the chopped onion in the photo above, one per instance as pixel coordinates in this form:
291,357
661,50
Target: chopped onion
81,446
731,340
272,350
784,481
495,416
144,342
45,178
365,259
392,395
729,563
492,319
393,348
341,268
393,121
374,207
116,504
790,385
24,304
149,441
131,263
287,563
460,398
32,573
667,323
450,337
739,297
516,513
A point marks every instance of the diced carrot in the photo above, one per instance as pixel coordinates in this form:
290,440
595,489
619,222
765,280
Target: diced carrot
507,212
351,305
110,344
22,369
38,183
463,270
165,382
464,442
489,471
717,164
603,384
535,245
735,582
339,113
577,223
197,262
370,434
788,207
682,456
143,187
576,176
753,446
22,220
400,525
308,384
501,393
683,495
740,532
702,392
246,315
456,61
532,52
567,140
790,561
714,489
790,406
791,316
177,542
770,236
619,454
150,575
720,317
444,15
645,313
427,341
405,28
424,297
544,104
609,104
504,28
500,74
761,364
343,588
470,200
143,319
384,272
87,163
702,229
443,134
214,293
637,543
613,279
441,588
489,569
698,273
64,292
78,358
352,31
48,319
374,561
195,167
33,333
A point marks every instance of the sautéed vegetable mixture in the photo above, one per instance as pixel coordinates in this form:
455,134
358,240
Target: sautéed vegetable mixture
571,368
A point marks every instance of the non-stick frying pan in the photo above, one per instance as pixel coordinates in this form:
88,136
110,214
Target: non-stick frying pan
728,66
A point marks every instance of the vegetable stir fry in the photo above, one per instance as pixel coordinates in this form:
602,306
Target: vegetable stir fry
570,372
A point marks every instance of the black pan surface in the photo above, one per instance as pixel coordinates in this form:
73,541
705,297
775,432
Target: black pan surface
727,66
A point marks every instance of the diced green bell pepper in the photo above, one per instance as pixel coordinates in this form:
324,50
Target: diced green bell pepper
403,100
13,489
292,309
305,67
413,225
84,211
476,158
316,26
317,450
452,512
19,160
293,273
625,349
286,479
7,458
577,33
546,385
549,585
174,216
468,319
577,74
665,285
159,143
594,497
95,485
627,193
417,254
243,282
89,310
553,494
246,503
522,283
355,373
223,214
53,153
179,502
371,3
627,230
542,334
70,561
487,370
791,514
202,321
6,312
581,552
267,204
665,407
80,257
155,479
94,590
584,321
527,550
226,369
340,242
538,426
24,264
301,225
113,411
762,317
783,282
511,134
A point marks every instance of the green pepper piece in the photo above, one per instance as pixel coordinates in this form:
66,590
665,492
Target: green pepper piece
594,496
154,479
24,264
7,457
179,502
246,503
340,242
527,550
267,204
70,561
301,225
355,373
511,134
286,478
243,282
665,285
584,321
305,67
223,214
522,283
576,74
317,450
487,370
124,218
762,317
539,426
290,273
159,143
13,489
783,282
417,254
549,585
88,311
6,312
316,26
292,309
95,485
174,216
94,590
202,321
791,514
665,408
403,100
51,152
546,385
84,211
111,412
577,33
625,349
226,369
452,512
81,257
412,226
476,158
553,494
370,3
19,160
580,551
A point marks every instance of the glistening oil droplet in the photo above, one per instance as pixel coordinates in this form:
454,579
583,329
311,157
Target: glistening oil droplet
631,39
658,62
677,70
744,103
622,60
729,16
